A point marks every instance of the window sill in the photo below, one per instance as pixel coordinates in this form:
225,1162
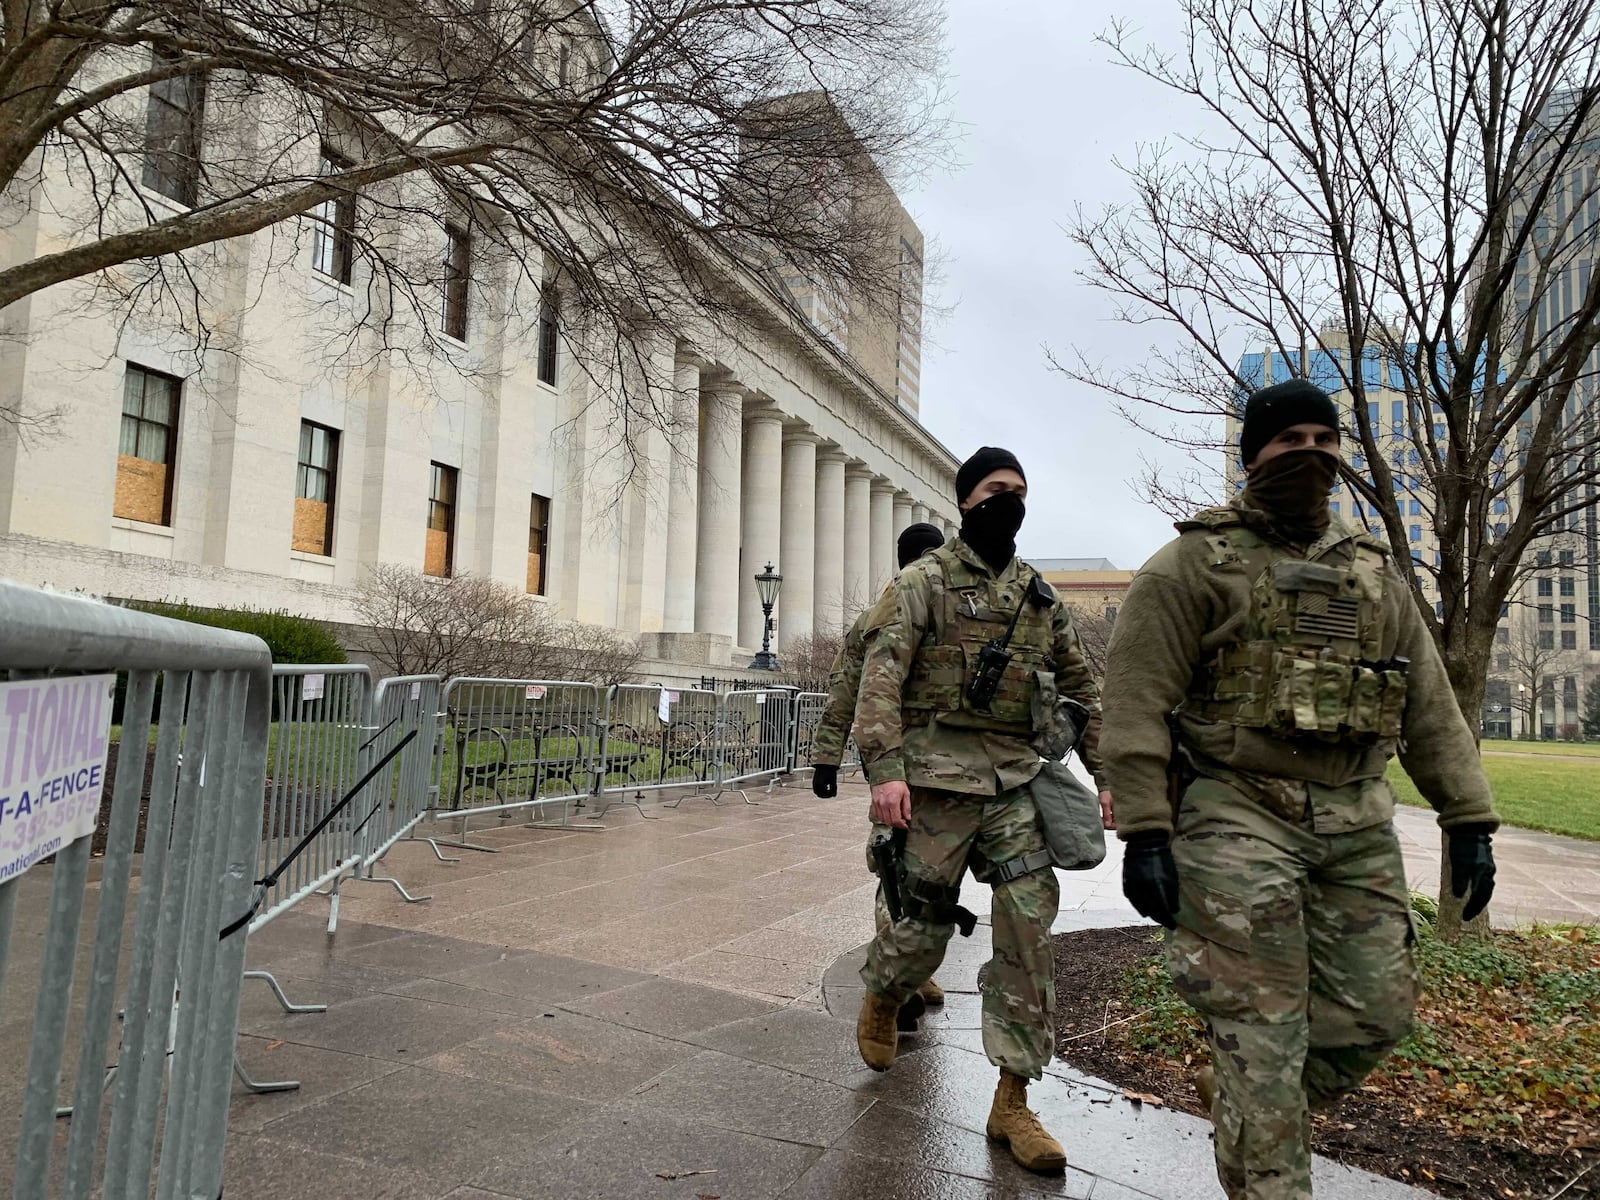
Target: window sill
303,556
452,342
328,281
553,388
142,527
158,200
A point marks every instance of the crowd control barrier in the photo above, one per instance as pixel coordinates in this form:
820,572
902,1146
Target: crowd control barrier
159,958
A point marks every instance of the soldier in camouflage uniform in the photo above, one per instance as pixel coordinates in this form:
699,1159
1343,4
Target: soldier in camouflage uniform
1286,649
833,727
954,774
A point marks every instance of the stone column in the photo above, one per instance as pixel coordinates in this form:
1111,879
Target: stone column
858,593
716,576
760,535
828,591
798,537
902,518
919,514
683,491
883,531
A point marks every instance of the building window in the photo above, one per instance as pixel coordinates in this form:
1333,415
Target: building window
172,136
538,540
147,446
1414,533
1547,639
314,489
1542,559
1397,415
1502,662
1569,639
1500,506
548,329
1547,614
1333,507
1416,508
333,235
1569,586
1502,635
1546,587
439,556
1569,614
1566,558
457,277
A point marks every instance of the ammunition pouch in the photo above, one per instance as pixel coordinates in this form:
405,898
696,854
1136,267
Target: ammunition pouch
1302,692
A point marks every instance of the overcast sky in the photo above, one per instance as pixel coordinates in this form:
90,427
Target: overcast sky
1040,113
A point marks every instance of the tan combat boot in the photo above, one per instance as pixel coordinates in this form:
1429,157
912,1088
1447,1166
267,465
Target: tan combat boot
1012,1122
875,1031
932,994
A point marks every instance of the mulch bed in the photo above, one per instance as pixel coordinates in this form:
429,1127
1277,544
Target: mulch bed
1366,1130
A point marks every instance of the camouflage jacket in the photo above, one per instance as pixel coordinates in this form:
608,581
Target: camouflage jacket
844,681
911,647
1189,605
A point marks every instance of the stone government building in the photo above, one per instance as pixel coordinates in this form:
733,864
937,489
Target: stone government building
266,480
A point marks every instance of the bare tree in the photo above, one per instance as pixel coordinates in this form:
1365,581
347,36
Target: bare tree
807,662
1533,661
645,164
421,625
1094,633
1398,199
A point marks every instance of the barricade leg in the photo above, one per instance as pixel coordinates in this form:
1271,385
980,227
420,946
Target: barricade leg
277,990
256,1086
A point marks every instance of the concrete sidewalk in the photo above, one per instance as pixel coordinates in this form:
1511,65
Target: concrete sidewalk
646,1012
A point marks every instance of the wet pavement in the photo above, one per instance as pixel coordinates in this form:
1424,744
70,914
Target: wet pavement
664,1009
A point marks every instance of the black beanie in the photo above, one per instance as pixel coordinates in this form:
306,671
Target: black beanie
981,465
916,540
1271,410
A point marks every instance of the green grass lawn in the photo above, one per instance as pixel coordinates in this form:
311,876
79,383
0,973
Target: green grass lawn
1555,796
1568,749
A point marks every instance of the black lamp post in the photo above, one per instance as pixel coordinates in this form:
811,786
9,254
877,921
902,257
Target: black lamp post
768,584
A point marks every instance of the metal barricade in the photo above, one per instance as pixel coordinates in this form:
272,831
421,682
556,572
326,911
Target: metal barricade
510,744
401,795
808,709
201,840
314,755
754,739
658,739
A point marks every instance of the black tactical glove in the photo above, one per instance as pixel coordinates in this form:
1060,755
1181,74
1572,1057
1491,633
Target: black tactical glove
1471,868
824,781
1150,877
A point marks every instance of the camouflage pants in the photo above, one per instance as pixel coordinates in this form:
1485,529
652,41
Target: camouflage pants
1019,991
1297,948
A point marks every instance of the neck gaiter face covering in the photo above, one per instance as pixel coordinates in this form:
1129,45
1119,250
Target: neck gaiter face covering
991,527
1291,490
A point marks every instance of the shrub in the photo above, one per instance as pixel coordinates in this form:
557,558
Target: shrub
291,639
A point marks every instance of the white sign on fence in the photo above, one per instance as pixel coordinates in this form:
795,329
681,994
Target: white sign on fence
53,736
664,705
311,686
534,692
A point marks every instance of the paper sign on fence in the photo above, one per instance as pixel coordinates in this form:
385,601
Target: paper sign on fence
664,705
53,737
311,686
416,691
761,697
534,692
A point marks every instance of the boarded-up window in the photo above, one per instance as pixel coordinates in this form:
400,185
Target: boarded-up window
315,483
146,447
439,556
538,539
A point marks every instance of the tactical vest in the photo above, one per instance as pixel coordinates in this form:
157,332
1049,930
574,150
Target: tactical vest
1308,665
968,608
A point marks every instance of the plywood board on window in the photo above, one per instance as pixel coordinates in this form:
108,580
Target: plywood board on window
436,556
310,526
141,493
535,574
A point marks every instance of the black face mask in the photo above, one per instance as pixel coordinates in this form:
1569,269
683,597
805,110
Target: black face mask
1291,490
991,527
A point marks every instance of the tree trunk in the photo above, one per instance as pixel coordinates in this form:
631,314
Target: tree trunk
1468,671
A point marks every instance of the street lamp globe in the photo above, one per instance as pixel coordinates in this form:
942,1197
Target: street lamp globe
768,584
